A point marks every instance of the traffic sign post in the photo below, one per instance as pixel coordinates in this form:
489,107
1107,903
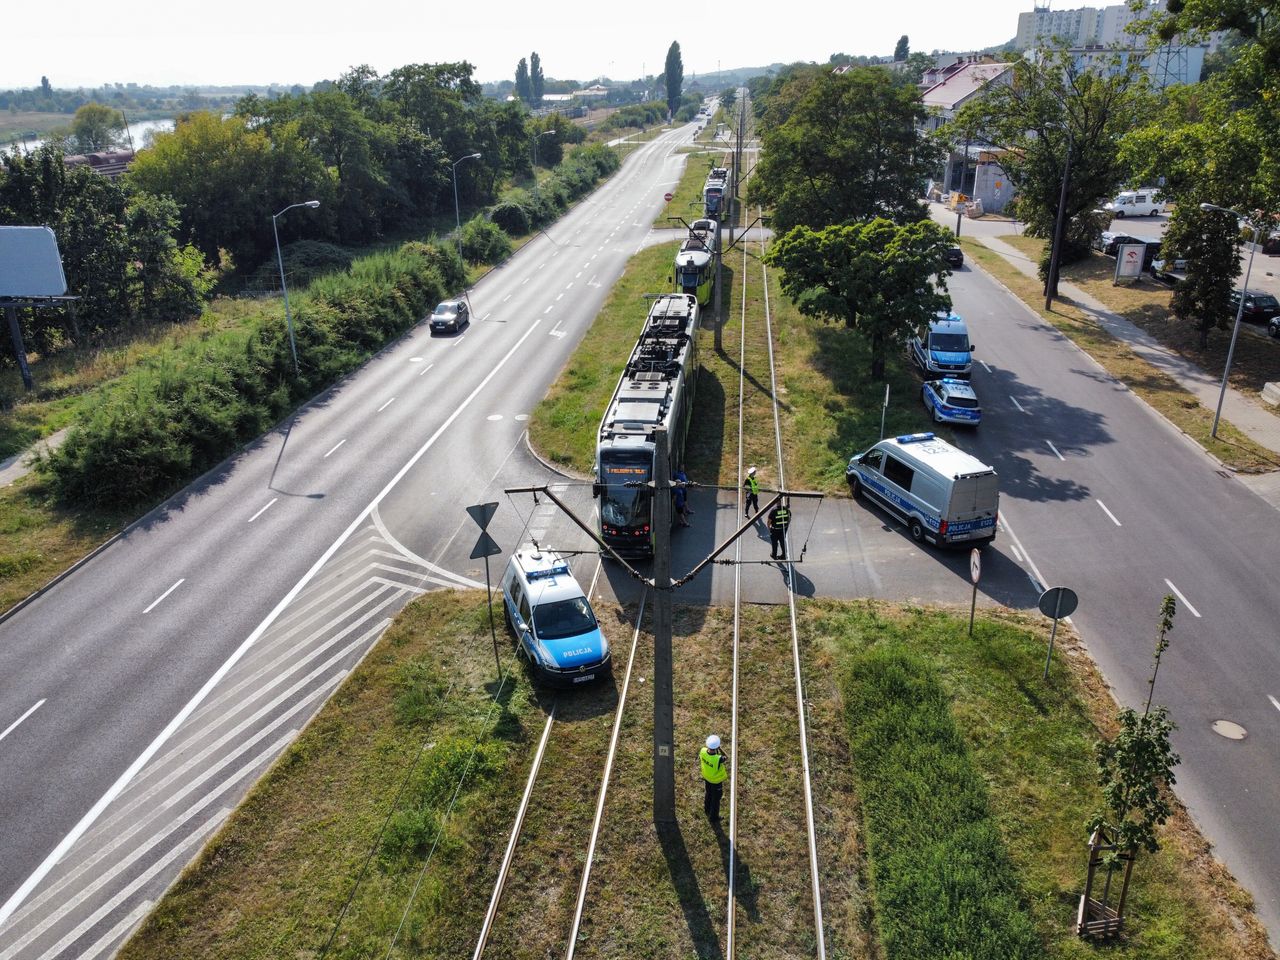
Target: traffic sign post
975,571
487,547
1056,602
884,410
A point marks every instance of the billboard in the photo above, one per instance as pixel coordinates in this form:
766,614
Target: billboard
30,265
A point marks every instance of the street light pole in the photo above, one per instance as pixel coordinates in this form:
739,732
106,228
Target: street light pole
457,216
1235,330
288,317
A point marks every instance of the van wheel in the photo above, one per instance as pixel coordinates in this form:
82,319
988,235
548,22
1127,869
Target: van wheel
917,530
1119,214
855,487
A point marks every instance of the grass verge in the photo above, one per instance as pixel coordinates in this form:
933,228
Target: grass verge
1032,743
1157,389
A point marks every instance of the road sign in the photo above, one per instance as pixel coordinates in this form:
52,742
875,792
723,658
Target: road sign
1058,602
482,513
1129,259
668,196
485,546
975,564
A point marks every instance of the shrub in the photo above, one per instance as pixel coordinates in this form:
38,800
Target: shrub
484,242
511,217
944,884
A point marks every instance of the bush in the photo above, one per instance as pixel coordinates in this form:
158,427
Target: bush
169,420
512,218
944,884
484,242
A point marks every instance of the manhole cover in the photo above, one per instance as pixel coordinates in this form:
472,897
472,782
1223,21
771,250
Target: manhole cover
1232,731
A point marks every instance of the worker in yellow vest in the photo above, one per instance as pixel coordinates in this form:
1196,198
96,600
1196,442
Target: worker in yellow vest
752,487
714,773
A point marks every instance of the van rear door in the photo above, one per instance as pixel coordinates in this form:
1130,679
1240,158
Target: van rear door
975,501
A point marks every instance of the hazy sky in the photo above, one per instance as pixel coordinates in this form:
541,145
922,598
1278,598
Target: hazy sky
79,43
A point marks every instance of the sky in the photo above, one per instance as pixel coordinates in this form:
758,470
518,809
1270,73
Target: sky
77,43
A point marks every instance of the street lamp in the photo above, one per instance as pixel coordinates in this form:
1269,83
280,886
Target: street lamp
1235,331
457,217
544,133
288,317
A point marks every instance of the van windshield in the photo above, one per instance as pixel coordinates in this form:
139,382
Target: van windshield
563,618
949,342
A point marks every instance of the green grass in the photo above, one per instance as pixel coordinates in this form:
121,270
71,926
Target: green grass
686,201
563,426
1031,743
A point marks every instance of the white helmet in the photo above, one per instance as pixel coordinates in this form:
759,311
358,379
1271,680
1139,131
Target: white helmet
713,742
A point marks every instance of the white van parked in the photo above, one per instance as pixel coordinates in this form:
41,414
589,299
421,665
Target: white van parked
1136,203
941,493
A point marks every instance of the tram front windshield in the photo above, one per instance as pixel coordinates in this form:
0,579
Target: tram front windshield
621,505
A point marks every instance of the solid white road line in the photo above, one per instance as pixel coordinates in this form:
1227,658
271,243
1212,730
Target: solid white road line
156,602
118,932
1178,594
1108,513
984,366
14,726
344,439
1055,450
387,404
263,510
76,832
1038,581
1017,554
1017,404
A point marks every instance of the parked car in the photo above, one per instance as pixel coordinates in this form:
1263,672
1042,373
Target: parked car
954,257
1168,269
950,400
1109,241
1259,307
450,315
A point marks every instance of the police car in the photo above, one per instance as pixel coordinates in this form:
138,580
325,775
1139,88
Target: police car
952,401
555,627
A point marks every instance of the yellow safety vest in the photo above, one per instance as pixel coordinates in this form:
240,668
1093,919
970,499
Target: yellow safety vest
713,768
752,484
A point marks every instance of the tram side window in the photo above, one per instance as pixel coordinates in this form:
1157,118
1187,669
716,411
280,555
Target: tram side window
898,472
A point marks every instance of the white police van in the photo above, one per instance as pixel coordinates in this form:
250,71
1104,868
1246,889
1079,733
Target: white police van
941,493
944,350
552,619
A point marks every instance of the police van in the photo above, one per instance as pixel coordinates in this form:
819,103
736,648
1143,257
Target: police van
555,627
941,493
944,350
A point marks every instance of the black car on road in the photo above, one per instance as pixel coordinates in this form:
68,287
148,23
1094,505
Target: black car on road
450,315
954,257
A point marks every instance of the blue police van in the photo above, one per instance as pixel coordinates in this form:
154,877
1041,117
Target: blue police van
945,349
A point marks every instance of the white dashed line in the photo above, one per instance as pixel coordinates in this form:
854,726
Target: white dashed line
542,264
559,297
1054,449
344,439
1017,554
387,404
1178,594
524,281
568,285
264,509
459,340
485,317
984,366
548,310
506,298
1274,702
156,602
1017,404
14,726
426,368
1108,513
577,275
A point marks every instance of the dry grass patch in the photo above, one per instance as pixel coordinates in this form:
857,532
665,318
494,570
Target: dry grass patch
1159,390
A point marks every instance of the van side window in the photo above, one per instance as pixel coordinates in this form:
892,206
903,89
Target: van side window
898,472
1140,199
873,459
525,613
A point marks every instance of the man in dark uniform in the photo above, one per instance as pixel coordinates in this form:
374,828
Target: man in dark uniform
779,520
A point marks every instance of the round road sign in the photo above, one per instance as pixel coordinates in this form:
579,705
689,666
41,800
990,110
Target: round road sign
668,196
975,564
1058,602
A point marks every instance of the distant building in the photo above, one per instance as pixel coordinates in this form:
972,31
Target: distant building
972,168
1165,65
1078,26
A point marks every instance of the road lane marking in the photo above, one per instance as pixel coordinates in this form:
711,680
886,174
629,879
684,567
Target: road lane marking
577,275
156,602
1108,513
559,297
1017,404
984,366
546,311
425,369
75,833
116,933
415,359
524,281
344,439
1017,554
1179,595
14,726
506,298
1274,702
263,510
458,340
387,404
486,317
1055,450
568,285
1038,581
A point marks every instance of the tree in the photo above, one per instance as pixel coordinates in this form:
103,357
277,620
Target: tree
537,82
850,148
902,50
674,77
524,90
1043,110
876,278
96,127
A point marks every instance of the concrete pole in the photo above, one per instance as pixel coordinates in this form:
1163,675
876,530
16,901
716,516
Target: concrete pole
664,769
20,349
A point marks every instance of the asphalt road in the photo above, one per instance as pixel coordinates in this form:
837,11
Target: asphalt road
170,669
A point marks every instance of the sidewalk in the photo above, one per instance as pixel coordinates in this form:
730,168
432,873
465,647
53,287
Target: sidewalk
19,465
